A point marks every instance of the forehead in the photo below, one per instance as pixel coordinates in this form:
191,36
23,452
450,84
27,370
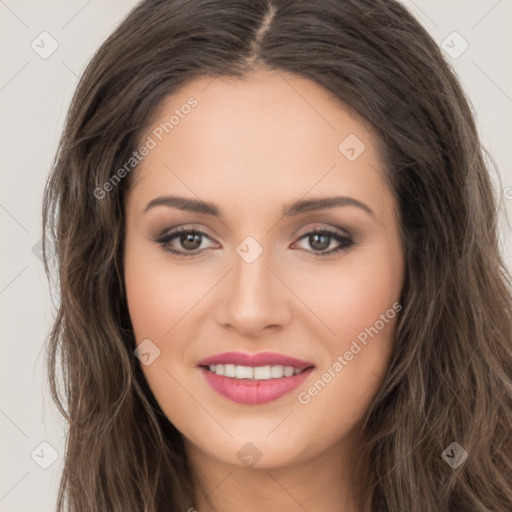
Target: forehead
270,131
253,109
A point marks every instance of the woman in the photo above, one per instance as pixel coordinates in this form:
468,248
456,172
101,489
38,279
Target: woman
280,284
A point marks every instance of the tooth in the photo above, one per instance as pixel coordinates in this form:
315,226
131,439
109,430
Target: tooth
256,373
276,372
229,370
244,372
288,371
262,372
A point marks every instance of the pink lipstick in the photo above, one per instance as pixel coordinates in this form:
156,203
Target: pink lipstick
254,378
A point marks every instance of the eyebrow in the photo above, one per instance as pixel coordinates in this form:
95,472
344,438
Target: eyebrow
290,210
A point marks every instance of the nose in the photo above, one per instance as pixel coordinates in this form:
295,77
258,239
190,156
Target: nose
253,301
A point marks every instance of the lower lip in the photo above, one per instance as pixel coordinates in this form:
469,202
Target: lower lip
247,391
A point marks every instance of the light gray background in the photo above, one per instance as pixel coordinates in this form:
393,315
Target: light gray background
34,95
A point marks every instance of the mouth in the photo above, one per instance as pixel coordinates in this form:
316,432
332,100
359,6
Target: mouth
254,379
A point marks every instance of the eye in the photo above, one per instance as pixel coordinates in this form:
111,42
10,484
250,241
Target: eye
189,241
321,240
186,242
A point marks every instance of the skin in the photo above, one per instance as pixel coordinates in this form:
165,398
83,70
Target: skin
251,147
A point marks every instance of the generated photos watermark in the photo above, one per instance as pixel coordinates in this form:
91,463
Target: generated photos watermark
305,397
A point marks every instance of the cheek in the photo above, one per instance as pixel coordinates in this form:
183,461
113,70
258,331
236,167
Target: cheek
148,304
160,294
359,302
368,301
364,319
160,303
345,299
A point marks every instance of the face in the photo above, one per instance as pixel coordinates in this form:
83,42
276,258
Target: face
263,268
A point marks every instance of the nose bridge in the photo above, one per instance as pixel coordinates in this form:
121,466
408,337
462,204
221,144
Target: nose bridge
251,276
252,298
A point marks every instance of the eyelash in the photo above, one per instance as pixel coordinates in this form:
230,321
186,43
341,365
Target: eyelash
345,241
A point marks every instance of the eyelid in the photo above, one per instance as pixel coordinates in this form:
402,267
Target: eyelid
172,233
318,226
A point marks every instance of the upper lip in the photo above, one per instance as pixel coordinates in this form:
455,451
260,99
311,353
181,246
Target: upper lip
259,359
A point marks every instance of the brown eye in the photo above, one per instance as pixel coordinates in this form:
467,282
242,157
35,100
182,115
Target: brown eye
190,241
183,242
321,240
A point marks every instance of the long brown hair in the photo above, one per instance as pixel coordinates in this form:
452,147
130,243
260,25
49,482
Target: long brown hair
450,377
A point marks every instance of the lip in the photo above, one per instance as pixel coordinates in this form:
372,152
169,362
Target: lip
253,392
260,359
